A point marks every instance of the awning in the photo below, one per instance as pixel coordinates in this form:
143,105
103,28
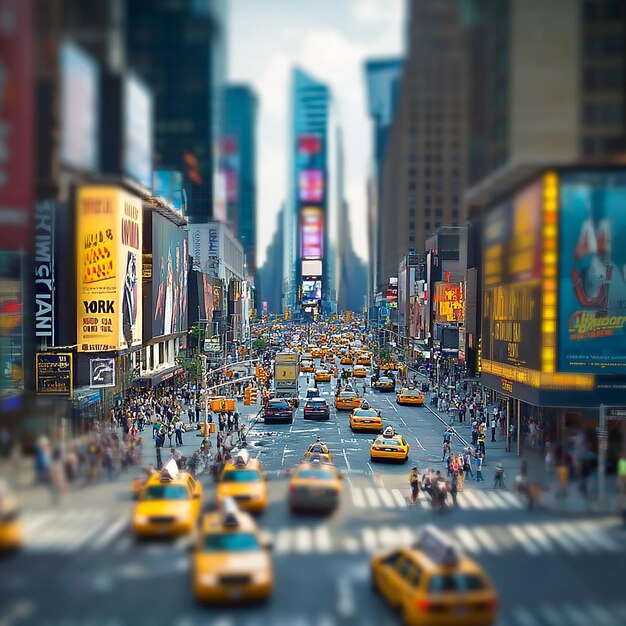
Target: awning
159,377
85,397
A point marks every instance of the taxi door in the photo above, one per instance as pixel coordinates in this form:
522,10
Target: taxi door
390,580
195,491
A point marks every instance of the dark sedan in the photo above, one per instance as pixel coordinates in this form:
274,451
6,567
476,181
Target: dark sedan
316,409
278,411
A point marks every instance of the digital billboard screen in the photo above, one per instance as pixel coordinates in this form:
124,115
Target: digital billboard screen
309,144
592,272
311,268
138,131
169,277
311,185
511,312
311,233
311,291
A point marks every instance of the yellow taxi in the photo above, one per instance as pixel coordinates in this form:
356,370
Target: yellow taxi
318,449
346,359
307,367
243,480
11,537
315,485
169,504
384,383
389,366
366,420
364,358
348,400
230,560
316,353
433,583
390,446
322,376
306,356
360,371
410,396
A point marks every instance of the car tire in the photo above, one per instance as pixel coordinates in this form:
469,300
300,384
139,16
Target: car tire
372,459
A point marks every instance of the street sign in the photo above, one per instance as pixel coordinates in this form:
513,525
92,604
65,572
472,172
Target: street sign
616,414
101,373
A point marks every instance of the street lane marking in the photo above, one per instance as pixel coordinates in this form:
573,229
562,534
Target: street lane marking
466,500
467,540
391,405
539,537
386,498
388,537
304,540
419,443
357,498
345,456
370,543
525,542
322,539
283,540
556,533
400,499
524,617
486,540
551,615
109,534
512,499
370,493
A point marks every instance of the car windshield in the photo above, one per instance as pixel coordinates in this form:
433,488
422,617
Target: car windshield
365,413
231,542
385,380
411,392
459,582
316,403
281,404
320,474
241,476
347,394
387,442
166,492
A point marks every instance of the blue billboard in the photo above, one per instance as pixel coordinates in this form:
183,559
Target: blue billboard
592,272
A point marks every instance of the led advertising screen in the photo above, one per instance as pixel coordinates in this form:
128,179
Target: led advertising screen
511,312
309,144
592,273
108,268
311,233
311,291
169,277
449,302
311,185
138,131
311,268
80,113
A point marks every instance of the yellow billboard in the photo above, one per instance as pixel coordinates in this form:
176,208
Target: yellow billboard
108,261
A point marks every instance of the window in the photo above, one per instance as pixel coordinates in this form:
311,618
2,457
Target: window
427,225
411,225
438,213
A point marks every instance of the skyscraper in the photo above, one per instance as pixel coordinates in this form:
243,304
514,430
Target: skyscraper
178,48
238,165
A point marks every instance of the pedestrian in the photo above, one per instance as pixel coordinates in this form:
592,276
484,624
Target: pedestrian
454,488
236,420
479,468
499,477
467,465
445,451
414,482
179,432
197,412
562,472
493,428
159,442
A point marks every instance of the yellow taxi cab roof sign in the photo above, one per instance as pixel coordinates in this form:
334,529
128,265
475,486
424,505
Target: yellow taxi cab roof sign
230,512
243,456
436,545
170,470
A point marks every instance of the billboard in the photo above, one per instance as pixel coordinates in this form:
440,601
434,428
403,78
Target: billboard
169,185
109,266
17,86
449,302
311,185
101,373
311,291
169,277
204,247
138,119
311,233
311,268
309,144
53,373
592,273
11,323
391,296
45,274
511,312
80,111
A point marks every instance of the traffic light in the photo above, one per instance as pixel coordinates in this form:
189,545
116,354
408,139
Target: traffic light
286,315
254,395
348,316
246,396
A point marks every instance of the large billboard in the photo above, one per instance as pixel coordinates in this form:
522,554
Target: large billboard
311,233
169,277
592,272
204,247
109,266
311,185
138,131
449,304
311,291
511,312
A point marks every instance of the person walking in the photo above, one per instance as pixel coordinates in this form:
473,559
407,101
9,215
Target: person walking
178,429
414,482
499,477
479,468
494,424
158,444
454,489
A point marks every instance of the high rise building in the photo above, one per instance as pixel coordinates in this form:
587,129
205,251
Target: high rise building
425,163
238,166
178,48
268,286
311,213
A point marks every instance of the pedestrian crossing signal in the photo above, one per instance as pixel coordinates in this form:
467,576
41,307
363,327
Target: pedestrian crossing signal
246,396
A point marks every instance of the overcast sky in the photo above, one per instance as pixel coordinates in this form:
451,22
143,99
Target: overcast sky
331,39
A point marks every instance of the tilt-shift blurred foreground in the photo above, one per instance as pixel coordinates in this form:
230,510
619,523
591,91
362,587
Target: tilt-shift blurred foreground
312,313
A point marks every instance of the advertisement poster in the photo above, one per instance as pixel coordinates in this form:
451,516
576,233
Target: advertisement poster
54,374
101,373
311,185
138,131
592,274
109,266
449,302
311,233
511,311
311,291
11,324
169,278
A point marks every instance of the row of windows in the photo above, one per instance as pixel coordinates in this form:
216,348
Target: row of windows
603,113
437,173
606,44
604,10
604,78
603,145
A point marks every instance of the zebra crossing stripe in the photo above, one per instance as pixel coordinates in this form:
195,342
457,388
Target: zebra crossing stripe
31,522
486,540
303,540
322,539
386,498
512,499
574,615
370,493
539,537
468,500
283,540
370,541
388,537
499,501
524,541
599,615
524,617
357,498
398,497
591,537
565,541
551,615
467,540
109,534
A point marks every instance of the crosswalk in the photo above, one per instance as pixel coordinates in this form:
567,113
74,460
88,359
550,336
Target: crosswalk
534,539
382,498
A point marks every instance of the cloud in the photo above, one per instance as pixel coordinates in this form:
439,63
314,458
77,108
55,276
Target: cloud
377,11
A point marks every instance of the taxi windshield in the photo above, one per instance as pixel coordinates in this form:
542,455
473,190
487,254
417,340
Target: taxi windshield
443,583
411,392
166,492
316,473
347,394
231,542
241,476
388,442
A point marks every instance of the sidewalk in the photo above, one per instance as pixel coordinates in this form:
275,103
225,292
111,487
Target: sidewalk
574,503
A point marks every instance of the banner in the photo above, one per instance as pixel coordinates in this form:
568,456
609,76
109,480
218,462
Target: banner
109,265
54,373
449,302
102,373
592,275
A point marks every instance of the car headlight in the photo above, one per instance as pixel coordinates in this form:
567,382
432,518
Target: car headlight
141,519
261,576
207,579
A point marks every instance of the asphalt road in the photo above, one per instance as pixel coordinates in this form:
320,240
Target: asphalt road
81,566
